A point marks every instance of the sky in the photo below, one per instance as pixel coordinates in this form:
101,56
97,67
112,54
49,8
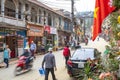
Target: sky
80,5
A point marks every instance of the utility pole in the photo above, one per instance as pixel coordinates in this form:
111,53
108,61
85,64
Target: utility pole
72,16
72,12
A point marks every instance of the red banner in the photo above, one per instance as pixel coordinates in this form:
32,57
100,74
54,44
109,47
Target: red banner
47,28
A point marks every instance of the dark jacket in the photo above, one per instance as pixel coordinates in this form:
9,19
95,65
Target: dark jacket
26,54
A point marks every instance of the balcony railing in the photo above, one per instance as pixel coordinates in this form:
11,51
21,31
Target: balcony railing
12,21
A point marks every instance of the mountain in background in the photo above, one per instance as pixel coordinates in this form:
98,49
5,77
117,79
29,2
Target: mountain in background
85,14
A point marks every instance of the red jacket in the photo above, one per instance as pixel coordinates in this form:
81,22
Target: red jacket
66,51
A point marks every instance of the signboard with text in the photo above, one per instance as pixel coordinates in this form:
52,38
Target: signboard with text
35,30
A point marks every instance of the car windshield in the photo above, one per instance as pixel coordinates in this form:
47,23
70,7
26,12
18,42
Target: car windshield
83,54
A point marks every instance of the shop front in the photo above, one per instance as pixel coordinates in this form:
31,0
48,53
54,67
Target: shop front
35,33
63,38
50,36
10,36
1,47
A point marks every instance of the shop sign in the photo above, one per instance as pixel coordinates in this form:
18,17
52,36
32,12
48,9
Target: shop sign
35,30
50,30
53,30
47,28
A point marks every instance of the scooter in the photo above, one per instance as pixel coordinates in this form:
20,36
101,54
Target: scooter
21,65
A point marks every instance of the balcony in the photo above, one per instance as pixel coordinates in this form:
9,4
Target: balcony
10,21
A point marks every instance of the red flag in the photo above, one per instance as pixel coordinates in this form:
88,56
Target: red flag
102,9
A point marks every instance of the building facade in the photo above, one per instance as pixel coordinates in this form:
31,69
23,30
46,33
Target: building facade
30,20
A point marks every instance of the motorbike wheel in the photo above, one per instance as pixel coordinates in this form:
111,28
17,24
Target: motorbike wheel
18,70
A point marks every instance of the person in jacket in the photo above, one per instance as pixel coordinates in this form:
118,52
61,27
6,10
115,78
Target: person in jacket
28,55
6,56
50,64
66,53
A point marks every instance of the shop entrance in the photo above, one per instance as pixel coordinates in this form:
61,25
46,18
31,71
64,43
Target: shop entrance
38,42
14,38
11,41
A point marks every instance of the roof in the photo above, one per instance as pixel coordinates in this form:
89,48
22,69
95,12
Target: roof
46,7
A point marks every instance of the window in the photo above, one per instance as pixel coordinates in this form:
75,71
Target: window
60,21
10,9
19,13
49,20
40,16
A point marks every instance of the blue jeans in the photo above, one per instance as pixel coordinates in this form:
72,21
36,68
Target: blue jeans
6,61
27,62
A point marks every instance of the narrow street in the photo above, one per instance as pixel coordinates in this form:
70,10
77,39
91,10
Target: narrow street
61,73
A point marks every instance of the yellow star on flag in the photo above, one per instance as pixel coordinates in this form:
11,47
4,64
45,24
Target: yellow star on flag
95,12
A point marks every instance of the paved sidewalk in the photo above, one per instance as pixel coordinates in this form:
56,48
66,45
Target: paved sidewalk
11,61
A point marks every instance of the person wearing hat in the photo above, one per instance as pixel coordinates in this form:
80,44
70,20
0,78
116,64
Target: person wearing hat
50,64
27,54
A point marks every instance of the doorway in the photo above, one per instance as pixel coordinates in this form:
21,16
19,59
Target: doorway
11,41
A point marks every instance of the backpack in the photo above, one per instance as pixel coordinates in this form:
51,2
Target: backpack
66,51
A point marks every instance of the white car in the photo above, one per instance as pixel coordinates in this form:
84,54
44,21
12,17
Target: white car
79,58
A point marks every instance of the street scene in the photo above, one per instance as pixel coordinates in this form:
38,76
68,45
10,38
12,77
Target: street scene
34,74
59,39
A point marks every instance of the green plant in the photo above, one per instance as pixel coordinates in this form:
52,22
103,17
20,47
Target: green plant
116,3
87,72
113,64
112,43
87,69
114,24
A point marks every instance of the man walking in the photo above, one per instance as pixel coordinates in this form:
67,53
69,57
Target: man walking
66,53
33,48
50,64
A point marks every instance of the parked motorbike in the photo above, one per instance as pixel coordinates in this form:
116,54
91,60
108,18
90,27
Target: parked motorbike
21,66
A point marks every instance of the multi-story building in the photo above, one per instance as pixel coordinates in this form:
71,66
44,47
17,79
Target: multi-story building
22,20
